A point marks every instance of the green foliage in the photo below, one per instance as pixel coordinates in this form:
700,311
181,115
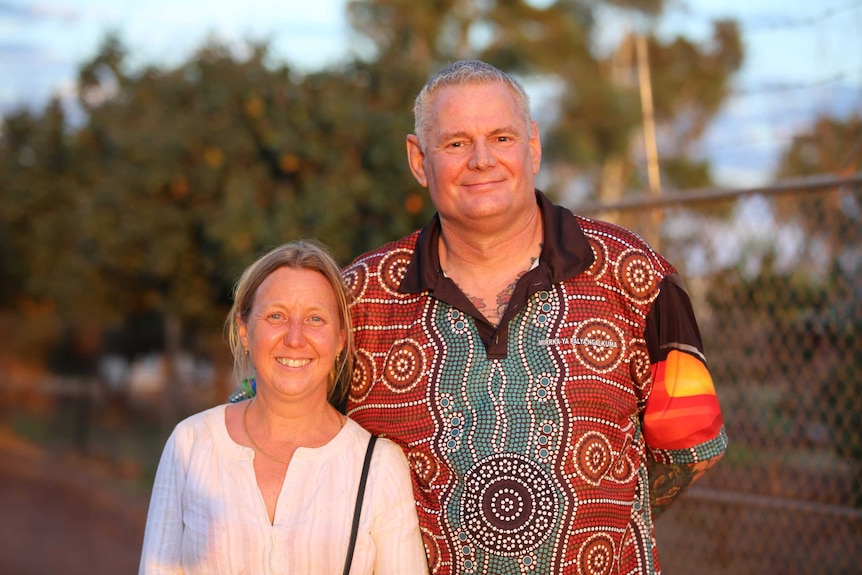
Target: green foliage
179,176
830,146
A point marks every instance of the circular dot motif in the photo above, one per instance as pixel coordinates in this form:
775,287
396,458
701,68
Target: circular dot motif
623,469
600,264
392,270
423,466
458,321
403,366
364,374
598,346
432,551
593,457
507,506
639,364
355,279
596,555
636,276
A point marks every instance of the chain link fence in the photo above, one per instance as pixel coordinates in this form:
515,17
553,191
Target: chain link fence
775,275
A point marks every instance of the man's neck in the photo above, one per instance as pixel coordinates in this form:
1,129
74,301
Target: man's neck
487,268
477,252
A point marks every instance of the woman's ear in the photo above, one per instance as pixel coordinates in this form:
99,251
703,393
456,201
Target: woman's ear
242,331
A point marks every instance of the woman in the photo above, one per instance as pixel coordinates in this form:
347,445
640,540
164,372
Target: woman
269,484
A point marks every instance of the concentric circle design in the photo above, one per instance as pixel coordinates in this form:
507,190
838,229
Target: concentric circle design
639,364
623,469
508,506
364,374
403,366
355,278
600,252
392,270
593,457
458,321
636,276
432,550
598,345
596,555
424,466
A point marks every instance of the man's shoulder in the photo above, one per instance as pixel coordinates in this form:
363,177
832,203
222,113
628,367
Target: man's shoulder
372,258
614,243
602,229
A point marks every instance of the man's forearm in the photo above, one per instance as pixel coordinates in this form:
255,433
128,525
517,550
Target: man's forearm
669,481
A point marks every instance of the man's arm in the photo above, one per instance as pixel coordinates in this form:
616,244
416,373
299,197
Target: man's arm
682,421
669,481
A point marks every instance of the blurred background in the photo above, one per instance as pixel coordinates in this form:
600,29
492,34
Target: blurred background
149,151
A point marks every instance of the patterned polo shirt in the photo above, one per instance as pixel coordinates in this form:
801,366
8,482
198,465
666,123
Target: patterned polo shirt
529,442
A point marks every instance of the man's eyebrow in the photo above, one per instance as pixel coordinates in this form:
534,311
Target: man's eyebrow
461,134
452,136
503,130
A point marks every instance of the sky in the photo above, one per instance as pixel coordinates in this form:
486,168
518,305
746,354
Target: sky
803,58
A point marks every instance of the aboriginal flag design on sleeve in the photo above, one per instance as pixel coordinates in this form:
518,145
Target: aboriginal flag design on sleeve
682,410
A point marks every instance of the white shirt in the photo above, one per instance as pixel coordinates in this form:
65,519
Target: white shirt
208,516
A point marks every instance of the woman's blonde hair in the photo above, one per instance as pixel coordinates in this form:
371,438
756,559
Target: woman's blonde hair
300,255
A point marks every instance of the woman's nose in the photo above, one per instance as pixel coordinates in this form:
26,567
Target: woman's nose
294,334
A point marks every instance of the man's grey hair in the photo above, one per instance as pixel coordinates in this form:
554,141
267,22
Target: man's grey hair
461,73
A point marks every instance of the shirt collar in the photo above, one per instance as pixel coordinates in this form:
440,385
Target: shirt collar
565,249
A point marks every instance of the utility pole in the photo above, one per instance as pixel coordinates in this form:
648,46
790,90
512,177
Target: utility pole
650,143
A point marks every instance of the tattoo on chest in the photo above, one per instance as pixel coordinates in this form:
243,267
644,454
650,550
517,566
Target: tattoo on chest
494,313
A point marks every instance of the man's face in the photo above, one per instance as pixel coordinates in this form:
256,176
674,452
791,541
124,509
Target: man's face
480,156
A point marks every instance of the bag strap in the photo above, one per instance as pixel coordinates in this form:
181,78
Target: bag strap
358,509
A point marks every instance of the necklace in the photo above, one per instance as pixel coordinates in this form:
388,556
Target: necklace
253,442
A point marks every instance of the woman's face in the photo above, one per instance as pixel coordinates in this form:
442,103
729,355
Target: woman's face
294,334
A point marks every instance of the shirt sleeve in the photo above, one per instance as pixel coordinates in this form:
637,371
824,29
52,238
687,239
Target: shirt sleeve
396,534
163,534
682,419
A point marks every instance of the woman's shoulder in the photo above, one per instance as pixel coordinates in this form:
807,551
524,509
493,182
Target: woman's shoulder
202,422
384,449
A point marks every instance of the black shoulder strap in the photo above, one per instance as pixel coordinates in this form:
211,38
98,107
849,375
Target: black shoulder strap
358,510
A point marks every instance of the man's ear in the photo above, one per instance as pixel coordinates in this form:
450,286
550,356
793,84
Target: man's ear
535,147
416,159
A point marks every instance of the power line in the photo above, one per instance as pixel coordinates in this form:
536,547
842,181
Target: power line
772,88
770,22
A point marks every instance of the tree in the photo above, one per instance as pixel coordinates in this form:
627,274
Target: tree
594,113
179,176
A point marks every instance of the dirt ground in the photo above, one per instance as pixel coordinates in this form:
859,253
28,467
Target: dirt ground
59,515
62,515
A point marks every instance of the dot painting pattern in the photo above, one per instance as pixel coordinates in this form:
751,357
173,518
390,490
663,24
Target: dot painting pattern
529,463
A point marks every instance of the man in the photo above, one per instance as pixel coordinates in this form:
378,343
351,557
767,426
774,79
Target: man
543,372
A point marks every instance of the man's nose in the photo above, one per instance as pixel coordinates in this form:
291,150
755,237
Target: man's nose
482,156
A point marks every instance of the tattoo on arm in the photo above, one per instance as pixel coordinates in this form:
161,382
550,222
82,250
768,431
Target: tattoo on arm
669,481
